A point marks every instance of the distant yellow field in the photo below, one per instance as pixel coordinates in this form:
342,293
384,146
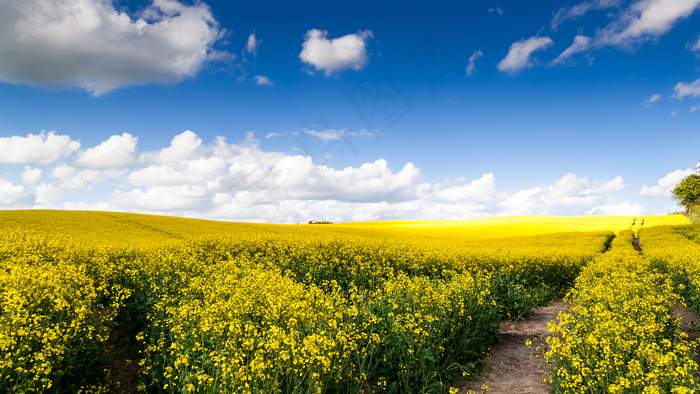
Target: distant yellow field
499,227
665,220
110,228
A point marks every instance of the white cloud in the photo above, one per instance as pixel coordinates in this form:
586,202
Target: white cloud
683,89
520,52
12,195
642,21
581,44
497,10
471,67
335,54
47,193
188,172
91,45
694,46
262,80
645,20
116,152
71,178
674,113
185,162
654,98
84,206
161,199
334,135
580,9
36,149
694,108
624,208
252,44
479,190
31,175
665,185
183,147
568,194
273,135
599,188
326,135
240,181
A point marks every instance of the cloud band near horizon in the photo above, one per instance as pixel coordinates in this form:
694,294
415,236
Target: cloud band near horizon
242,182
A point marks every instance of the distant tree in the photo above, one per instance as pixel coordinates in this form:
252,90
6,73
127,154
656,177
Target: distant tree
687,191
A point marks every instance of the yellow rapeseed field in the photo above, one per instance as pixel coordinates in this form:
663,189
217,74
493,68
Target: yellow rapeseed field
402,307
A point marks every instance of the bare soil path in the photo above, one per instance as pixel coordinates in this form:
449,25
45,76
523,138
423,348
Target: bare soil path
123,363
514,367
690,324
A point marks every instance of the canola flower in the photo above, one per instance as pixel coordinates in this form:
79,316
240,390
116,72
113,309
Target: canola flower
257,311
665,220
220,307
620,335
676,248
51,322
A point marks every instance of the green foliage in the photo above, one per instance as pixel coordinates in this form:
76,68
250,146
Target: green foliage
687,192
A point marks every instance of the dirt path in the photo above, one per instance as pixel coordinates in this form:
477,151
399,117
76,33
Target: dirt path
635,245
690,324
123,363
514,367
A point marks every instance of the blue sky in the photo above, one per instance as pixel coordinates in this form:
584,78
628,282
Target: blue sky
288,112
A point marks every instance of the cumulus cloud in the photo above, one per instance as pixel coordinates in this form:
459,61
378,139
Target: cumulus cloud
331,55
46,193
665,185
91,45
116,152
520,52
624,208
581,44
242,182
691,89
189,172
183,147
566,195
262,80
12,195
645,20
471,67
36,149
654,98
70,177
161,199
31,175
478,191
